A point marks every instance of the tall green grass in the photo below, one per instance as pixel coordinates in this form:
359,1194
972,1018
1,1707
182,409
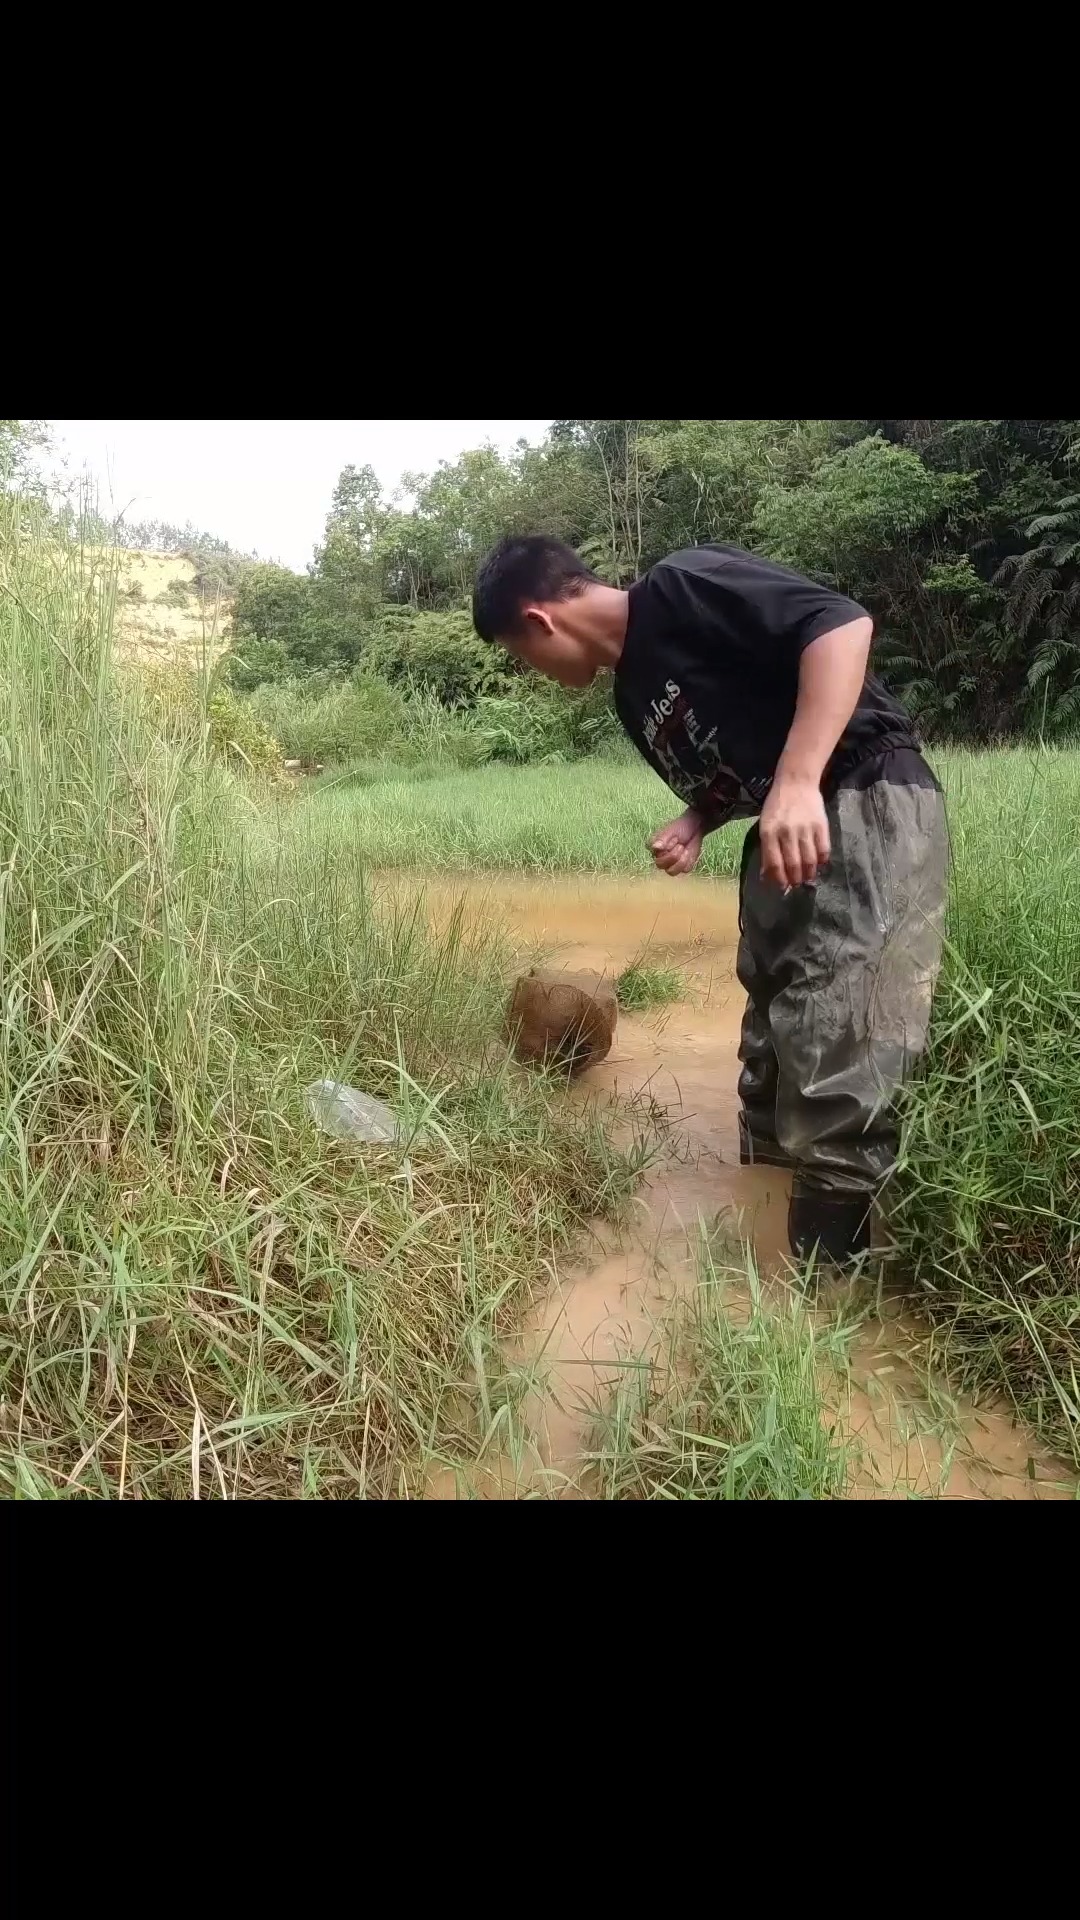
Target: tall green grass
199,1293
987,1199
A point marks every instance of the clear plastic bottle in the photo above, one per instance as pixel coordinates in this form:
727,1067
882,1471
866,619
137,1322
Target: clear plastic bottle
351,1115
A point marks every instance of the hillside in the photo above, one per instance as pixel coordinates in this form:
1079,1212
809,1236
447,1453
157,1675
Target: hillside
159,612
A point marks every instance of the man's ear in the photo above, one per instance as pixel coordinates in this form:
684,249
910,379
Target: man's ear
538,624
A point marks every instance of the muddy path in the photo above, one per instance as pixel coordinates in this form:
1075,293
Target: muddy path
913,1437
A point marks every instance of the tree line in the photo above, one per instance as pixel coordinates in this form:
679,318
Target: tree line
961,537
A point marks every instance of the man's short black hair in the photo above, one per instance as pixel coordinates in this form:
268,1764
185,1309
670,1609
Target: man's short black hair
524,568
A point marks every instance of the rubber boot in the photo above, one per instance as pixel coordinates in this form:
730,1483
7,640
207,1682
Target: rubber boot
760,1153
837,1224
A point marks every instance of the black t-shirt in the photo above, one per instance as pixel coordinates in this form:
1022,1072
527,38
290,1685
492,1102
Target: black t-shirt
709,674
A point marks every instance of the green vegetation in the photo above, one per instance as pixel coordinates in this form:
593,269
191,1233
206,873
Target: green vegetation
20,440
988,1212
181,705
409,721
735,1407
199,1293
594,817
176,594
960,536
364,724
640,986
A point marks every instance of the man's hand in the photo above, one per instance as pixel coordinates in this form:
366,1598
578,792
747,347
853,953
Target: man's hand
794,832
677,847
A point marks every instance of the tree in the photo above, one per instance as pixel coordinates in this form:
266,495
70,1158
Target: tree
616,450
438,650
20,442
1044,606
275,627
874,520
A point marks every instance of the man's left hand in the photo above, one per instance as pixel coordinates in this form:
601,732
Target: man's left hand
794,833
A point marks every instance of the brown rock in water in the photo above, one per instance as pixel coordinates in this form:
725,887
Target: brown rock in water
567,1019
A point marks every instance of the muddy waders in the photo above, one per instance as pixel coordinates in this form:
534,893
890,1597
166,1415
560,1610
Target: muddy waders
839,977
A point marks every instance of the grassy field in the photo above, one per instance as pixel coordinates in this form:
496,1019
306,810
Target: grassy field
1008,810
592,816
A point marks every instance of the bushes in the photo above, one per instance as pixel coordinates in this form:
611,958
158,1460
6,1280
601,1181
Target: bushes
287,653
437,651
252,664
328,721
368,718
176,594
274,628
181,712
285,627
237,735
365,719
539,721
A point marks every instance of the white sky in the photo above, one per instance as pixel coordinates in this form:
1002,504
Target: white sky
263,485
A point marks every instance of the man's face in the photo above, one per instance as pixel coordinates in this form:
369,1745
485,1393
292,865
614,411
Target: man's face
549,647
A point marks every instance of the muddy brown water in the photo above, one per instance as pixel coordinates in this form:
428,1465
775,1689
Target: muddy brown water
610,1304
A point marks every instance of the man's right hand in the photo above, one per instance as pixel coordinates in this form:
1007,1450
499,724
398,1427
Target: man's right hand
677,847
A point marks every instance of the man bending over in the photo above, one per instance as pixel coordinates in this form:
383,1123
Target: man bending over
746,688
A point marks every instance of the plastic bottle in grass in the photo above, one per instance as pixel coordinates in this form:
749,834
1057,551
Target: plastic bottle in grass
349,1114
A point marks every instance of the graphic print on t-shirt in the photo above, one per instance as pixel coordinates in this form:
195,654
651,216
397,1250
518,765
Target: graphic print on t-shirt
701,777
708,678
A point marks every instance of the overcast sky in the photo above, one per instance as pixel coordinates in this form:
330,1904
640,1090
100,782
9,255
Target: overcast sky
263,485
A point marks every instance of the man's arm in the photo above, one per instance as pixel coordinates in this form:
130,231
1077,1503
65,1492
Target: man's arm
794,828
